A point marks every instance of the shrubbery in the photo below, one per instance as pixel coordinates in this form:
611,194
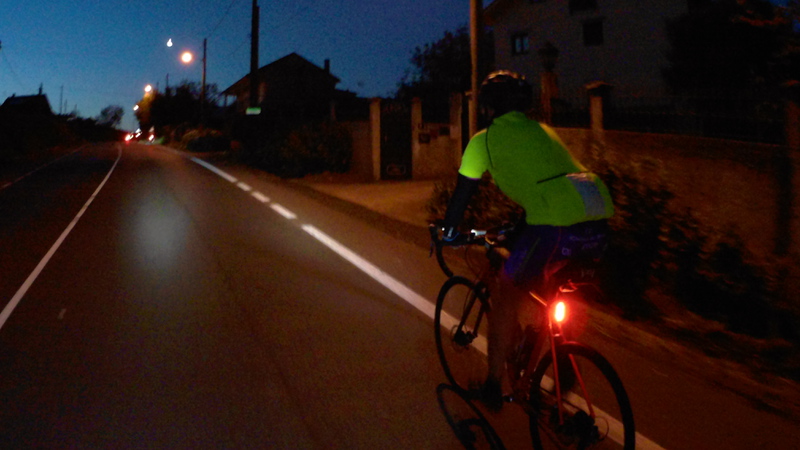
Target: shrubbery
206,140
309,149
657,247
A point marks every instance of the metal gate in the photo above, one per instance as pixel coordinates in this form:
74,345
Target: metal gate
395,140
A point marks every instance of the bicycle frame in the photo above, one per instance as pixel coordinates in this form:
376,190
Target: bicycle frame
562,404
555,331
556,316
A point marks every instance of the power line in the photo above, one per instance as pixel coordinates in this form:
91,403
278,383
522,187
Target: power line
10,68
222,19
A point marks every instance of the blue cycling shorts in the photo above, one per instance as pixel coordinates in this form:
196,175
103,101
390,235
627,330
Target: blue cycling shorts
541,251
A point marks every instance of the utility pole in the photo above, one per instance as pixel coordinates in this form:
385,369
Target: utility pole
203,87
475,30
254,57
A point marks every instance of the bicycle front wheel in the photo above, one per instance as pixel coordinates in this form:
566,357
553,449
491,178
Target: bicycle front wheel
460,323
596,412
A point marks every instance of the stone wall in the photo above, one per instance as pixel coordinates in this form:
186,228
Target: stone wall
744,186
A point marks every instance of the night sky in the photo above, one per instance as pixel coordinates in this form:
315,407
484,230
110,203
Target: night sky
103,52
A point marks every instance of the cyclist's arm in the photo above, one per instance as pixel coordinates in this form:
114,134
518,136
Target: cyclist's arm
465,189
474,163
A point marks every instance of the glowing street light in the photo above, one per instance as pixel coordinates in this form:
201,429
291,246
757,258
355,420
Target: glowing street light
187,58
148,89
169,43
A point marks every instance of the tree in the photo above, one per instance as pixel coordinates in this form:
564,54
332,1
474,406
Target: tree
444,67
180,105
731,47
110,116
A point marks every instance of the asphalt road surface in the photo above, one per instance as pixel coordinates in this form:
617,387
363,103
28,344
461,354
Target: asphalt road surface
151,300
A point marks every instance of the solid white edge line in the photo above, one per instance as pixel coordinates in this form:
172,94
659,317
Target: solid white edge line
41,167
219,172
283,211
423,305
373,271
12,304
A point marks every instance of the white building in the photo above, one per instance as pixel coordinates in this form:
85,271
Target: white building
620,42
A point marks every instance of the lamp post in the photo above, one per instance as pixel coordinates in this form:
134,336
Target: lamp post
187,57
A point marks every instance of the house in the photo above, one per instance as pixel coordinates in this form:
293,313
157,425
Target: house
27,105
289,89
619,42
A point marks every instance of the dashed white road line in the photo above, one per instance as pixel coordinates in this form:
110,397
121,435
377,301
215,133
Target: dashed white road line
260,197
244,186
219,172
283,211
400,289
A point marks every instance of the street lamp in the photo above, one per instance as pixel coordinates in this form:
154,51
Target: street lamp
187,58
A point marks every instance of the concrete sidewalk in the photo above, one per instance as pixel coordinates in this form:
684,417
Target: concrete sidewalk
400,200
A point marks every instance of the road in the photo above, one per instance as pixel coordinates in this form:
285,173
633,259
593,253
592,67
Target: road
153,300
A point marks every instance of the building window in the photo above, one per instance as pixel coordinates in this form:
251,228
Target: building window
593,33
582,5
520,44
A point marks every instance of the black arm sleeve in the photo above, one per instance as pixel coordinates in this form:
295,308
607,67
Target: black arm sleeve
465,189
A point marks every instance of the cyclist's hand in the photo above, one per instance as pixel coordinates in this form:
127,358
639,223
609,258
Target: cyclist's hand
451,237
450,234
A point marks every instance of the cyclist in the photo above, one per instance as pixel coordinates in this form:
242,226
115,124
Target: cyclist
565,206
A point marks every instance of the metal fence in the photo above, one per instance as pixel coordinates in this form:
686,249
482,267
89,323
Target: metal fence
744,119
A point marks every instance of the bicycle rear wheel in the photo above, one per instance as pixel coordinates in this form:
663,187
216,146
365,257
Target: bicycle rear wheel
460,324
604,421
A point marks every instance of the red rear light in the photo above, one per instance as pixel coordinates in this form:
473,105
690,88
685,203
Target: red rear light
560,312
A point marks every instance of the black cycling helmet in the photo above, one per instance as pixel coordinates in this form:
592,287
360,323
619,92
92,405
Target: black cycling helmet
504,91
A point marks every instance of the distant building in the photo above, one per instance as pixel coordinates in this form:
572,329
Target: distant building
620,42
291,89
27,105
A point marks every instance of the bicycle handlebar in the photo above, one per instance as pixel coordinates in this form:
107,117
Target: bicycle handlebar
488,238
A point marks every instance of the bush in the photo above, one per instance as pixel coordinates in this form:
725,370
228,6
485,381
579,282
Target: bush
488,207
206,140
655,245
310,149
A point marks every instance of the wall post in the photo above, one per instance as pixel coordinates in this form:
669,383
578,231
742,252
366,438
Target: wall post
416,127
456,141
598,93
375,133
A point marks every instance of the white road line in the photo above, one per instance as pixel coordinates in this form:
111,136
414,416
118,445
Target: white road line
243,186
4,315
283,211
260,197
61,314
39,168
416,300
219,172
407,294
422,304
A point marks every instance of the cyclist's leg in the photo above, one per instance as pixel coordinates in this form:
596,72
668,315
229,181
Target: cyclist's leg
505,306
529,255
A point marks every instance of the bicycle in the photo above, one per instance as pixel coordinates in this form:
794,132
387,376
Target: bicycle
561,387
